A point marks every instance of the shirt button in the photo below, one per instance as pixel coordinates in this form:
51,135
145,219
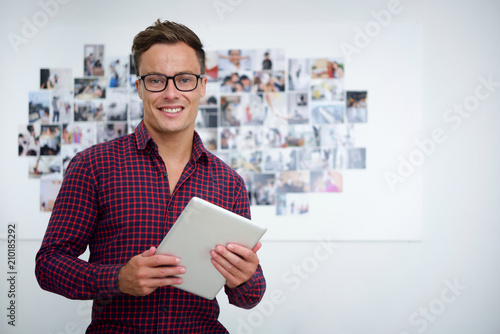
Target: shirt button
165,174
164,309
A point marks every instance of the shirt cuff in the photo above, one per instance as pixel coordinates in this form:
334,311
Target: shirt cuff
241,289
106,280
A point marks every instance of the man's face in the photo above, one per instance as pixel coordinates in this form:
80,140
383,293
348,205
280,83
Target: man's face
170,111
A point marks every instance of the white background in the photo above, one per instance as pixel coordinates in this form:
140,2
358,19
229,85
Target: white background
342,287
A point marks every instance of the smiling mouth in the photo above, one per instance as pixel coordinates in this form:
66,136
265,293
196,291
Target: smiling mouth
171,110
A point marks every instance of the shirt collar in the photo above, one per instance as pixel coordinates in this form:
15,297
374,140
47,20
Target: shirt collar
199,149
142,138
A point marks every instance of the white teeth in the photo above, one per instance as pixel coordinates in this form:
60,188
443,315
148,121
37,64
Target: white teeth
171,111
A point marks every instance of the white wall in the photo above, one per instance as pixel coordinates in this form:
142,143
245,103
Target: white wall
346,287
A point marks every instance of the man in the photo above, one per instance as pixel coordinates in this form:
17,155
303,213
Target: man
267,63
121,197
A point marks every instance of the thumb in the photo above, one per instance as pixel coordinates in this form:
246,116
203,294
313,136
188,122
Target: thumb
257,247
150,252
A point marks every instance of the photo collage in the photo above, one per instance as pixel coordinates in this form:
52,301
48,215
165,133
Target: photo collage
287,126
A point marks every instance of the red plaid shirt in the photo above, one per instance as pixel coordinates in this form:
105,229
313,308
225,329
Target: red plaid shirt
115,198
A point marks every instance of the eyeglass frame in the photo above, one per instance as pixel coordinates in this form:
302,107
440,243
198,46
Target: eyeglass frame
198,77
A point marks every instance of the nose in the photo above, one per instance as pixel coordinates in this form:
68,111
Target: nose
170,91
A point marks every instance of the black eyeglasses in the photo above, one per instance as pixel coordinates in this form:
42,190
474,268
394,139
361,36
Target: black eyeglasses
184,82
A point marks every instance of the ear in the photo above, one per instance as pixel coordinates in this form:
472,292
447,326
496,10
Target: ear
203,86
138,87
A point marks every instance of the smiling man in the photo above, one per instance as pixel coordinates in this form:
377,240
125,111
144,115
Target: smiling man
170,110
120,198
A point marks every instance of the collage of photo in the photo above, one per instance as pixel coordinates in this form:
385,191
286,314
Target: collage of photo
287,126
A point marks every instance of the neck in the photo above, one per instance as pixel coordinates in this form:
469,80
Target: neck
175,151
174,148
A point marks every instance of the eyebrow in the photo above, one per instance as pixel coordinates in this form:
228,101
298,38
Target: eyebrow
181,72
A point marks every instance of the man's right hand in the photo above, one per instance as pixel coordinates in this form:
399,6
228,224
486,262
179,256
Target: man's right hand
146,272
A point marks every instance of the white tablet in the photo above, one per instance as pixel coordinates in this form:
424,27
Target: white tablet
198,229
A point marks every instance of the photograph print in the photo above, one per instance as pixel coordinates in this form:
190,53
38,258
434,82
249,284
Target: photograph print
56,78
327,68
118,72
299,74
39,103
357,107
93,62
29,140
234,61
90,88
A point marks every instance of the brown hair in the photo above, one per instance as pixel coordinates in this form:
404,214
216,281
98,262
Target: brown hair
166,32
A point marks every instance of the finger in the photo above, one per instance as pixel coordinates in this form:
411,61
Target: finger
159,260
230,278
168,281
234,255
234,277
167,271
146,287
241,251
221,268
225,258
232,266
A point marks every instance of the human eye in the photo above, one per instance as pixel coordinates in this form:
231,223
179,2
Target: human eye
155,79
185,78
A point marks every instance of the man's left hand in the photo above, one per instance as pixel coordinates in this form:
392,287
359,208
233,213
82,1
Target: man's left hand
235,262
